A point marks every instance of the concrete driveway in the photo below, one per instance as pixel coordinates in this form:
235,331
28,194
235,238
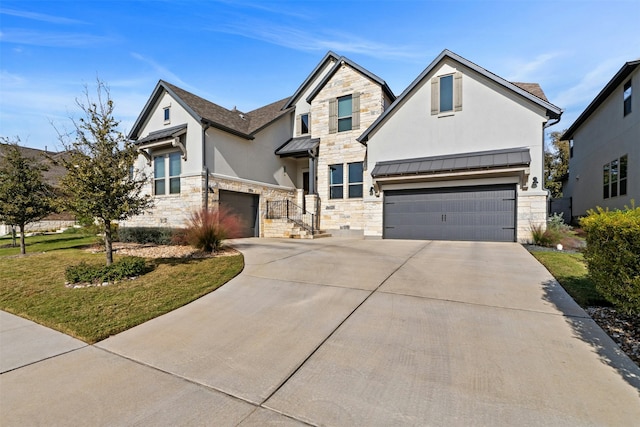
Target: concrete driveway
339,332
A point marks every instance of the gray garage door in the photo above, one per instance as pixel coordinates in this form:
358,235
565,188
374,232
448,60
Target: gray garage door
486,213
246,207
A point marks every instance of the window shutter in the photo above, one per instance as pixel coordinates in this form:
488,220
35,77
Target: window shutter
333,115
457,91
298,124
435,96
355,110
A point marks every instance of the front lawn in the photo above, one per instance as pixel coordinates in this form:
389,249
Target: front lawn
571,272
47,242
33,287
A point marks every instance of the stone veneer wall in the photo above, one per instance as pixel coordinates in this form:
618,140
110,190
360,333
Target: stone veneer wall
172,210
265,191
342,147
531,210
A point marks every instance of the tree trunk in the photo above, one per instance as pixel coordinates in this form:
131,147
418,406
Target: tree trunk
13,236
107,242
23,249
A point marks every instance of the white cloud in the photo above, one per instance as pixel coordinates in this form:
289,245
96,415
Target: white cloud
162,71
39,16
52,39
530,69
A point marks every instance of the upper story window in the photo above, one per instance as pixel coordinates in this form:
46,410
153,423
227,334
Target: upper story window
446,94
344,113
166,174
167,114
627,97
614,178
302,124
345,108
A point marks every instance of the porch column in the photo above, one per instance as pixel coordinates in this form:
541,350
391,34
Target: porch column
312,175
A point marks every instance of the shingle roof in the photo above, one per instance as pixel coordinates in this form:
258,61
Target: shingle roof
297,146
480,160
55,171
533,89
233,121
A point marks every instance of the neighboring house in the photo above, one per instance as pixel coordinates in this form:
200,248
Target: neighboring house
458,155
604,165
52,176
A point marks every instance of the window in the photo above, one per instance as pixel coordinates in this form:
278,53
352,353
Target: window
614,178
167,165
627,97
355,180
446,94
304,124
623,175
336,180
344,113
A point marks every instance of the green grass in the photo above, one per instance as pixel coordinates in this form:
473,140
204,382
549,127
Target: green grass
571,272
33,287
47,242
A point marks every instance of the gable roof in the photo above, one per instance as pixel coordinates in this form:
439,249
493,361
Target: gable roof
330,56
55,171
244,125
344,60
529,91
619,77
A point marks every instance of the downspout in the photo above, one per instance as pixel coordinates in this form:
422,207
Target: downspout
205,168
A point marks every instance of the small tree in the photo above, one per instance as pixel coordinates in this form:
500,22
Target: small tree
556,164
24,196
99,182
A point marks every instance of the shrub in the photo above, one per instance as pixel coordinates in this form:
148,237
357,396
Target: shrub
155,235
553,233
613,255
125,267
206,229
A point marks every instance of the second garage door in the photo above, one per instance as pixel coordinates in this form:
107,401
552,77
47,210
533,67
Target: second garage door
246,207
483,213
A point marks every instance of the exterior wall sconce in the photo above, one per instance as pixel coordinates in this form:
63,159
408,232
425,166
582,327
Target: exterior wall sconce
371,191
534,184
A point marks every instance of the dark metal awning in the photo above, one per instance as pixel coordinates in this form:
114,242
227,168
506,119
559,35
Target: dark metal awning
298,147
167,133
478,161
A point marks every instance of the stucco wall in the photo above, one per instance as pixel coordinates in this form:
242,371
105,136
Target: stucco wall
605,136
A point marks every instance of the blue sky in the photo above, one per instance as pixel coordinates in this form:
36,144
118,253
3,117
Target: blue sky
250,53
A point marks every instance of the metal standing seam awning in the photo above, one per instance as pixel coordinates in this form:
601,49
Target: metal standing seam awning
298,147
168,136
508,160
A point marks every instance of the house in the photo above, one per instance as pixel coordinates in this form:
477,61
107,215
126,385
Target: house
605,147
52,176
458,155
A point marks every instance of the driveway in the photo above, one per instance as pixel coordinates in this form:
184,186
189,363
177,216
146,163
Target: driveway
339,332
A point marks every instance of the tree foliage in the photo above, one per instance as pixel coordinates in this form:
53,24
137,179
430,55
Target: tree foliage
556,164
100,182
24,195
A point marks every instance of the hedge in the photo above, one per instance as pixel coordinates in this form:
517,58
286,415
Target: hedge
613,255
155,235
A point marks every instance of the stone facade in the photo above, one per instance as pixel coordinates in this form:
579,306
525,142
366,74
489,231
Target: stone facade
531,211
342,147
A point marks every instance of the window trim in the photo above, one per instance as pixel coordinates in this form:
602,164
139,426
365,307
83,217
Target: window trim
456,94
302,124
615,178
167,114
355,184
345,117
167,178
337,185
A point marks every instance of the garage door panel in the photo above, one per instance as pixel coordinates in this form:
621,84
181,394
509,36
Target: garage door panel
246,207
460,213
